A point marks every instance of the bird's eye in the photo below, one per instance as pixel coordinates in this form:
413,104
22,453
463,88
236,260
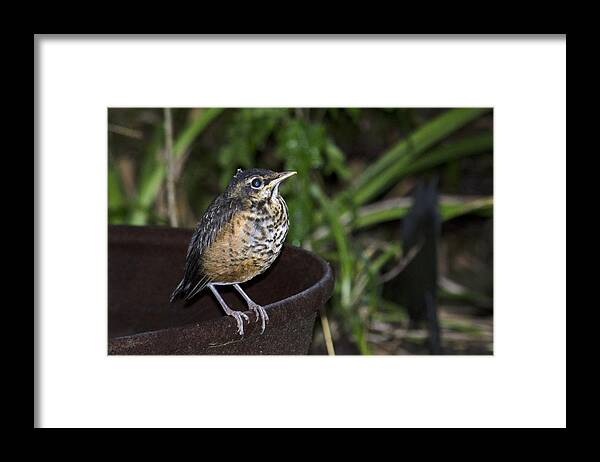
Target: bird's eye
256,183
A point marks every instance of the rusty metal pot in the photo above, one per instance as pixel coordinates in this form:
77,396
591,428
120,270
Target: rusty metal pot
146,263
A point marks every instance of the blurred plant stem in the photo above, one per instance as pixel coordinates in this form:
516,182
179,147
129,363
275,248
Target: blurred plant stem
341,240
326,332
171,203
153,171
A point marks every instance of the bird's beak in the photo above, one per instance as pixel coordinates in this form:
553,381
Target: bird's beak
281,176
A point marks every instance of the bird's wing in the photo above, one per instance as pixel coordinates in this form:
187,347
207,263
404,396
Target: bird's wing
219,212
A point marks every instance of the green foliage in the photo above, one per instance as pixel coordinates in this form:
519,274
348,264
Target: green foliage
116,197
247,134
337,214
300,145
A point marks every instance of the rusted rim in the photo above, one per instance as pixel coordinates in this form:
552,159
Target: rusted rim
297,305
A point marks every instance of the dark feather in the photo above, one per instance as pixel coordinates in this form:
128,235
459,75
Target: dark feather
216,215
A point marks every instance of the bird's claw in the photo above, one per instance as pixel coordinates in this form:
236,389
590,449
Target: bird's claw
261,314
238,315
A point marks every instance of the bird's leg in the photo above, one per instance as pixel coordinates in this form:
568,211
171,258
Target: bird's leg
238,315
259,310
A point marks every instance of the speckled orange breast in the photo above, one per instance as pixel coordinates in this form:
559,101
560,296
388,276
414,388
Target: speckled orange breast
247,245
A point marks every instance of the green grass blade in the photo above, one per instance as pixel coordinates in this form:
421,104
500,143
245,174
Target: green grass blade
475,144
391,164
395,209
116,196
341,241
117,201
483,206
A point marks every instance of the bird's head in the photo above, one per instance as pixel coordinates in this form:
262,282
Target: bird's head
256,184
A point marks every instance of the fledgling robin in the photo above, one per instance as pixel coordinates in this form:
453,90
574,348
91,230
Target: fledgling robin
239,237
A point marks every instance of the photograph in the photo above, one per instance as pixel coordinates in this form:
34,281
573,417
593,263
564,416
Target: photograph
300,230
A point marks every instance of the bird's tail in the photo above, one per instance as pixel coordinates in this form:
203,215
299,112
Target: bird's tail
186,291
177,293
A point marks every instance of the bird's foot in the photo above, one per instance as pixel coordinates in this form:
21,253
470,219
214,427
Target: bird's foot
260,313
238,315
